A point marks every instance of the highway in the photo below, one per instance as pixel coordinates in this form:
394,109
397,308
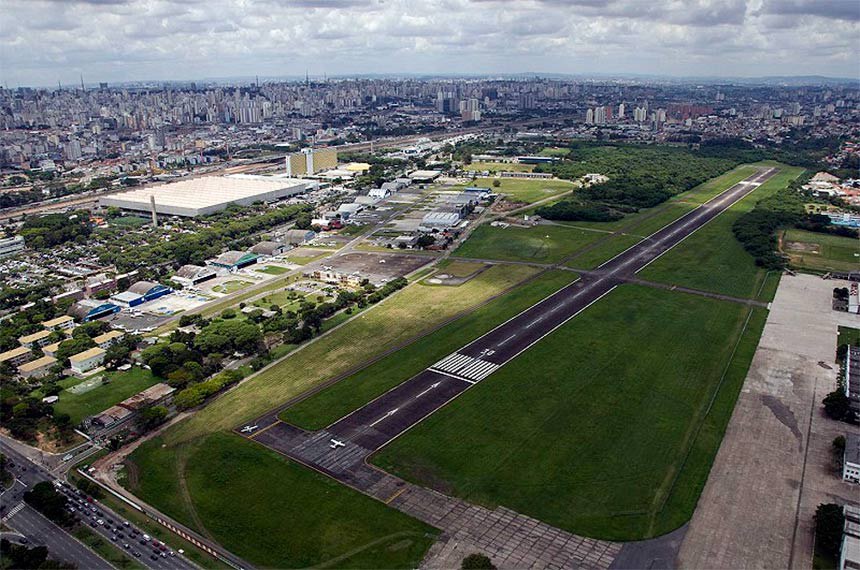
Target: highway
372,426
39,530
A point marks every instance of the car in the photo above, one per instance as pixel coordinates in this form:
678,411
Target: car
101,522
143,542
163,555
153,556
92,524
135,553
113,537
171,553
125,523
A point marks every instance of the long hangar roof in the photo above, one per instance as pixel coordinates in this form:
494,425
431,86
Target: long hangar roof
207,194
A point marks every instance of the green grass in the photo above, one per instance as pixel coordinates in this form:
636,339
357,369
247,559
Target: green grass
541,244
554,151
456,268
821,252
524,189
230,286
612,246
849,335
275,513
712,259
596,429
398,319
272,270
122,385
356,390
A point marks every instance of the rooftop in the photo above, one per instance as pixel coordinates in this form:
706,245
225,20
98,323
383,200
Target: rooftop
58,321
36,336
14,353
38,363
87,354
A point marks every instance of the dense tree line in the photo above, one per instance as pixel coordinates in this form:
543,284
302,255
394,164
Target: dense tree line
42,232
571,210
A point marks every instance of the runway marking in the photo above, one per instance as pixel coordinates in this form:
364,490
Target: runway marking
507,339
449,375
427,390
268,427
395,495
387,415
536,321
466,367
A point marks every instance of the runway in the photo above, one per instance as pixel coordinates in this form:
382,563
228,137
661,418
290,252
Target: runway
375,424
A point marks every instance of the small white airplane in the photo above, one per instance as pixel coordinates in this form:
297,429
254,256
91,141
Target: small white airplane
248,429
335,443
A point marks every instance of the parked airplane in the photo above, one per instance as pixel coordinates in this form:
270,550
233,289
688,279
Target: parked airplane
248,429
336,443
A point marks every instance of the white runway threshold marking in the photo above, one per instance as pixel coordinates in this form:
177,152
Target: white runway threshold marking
465,367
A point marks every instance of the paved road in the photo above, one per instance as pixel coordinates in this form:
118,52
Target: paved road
372,426
21,518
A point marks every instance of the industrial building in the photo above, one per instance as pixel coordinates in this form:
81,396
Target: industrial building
233,260
309,161
440,220
89,310
140,293
191,275
205,195
297,237
269,248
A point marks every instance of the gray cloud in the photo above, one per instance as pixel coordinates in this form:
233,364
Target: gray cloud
42,41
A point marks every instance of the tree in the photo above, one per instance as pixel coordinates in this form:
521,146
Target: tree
837,406
153,416
45,499
497,183
477,562
829,522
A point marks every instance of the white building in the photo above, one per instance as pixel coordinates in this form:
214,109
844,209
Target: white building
87,360
851,459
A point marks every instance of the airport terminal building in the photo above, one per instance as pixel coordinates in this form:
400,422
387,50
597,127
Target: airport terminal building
205,195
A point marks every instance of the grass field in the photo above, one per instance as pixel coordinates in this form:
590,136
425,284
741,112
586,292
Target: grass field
499,167
524,190
712,259
272,512
554,151
122,385
821,252
594,429
396,320
541,244
230,286
356,390
612,246
849,335
272,269
456,268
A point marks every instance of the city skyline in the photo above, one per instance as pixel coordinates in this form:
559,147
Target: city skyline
49,42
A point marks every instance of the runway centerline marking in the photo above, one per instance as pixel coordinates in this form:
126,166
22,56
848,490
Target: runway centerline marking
387,415
507,339
436,385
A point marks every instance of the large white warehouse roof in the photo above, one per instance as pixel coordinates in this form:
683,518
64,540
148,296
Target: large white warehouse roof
207,194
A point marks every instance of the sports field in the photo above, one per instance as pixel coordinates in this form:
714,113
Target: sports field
525,190
272,512
821,252
712,259
396,320
541,244
121,385
594,429
356,390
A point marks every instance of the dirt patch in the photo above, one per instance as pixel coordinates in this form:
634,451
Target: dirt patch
802,247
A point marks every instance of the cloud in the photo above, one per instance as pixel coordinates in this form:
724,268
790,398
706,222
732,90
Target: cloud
42,41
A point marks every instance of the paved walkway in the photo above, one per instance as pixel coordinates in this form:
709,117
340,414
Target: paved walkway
770,471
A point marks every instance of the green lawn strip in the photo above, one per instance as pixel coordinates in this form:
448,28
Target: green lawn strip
679,500
401,317
278,514
849,335
821,252
612,246
113,554
711,259
122,385
585,429
356,390
769,286
540,244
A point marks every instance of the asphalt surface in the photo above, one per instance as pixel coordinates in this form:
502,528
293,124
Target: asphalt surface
370,427
40,531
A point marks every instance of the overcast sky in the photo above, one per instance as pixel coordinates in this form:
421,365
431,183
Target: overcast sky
43,41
